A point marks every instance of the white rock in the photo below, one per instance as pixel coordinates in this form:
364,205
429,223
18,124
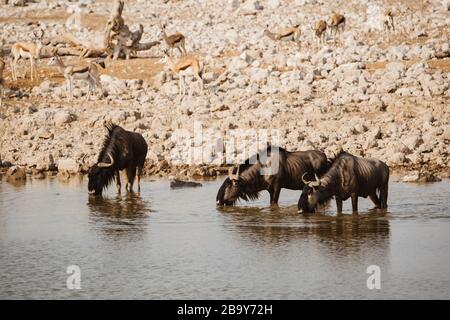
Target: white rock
412,177
273,4
62,117
68,165
258,75
15,173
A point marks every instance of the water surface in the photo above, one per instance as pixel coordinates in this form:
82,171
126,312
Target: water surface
175,244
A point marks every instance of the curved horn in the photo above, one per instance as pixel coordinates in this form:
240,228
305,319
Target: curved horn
106,165
234,176
315,183
303,178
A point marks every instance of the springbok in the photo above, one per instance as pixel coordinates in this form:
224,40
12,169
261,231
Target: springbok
387,19
337,23
71,73
319,29
285,34
27,50
185,66
2,68
176,40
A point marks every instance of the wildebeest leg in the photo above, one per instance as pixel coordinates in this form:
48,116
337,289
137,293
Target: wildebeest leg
354,202
139,172
339,205
271,195
118,184
131,174
383,197
276,195
375,200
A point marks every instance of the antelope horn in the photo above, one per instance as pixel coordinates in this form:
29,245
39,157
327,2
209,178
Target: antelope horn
106,165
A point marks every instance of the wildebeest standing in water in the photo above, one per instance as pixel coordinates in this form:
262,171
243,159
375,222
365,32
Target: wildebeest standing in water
121,150
246,180
348,177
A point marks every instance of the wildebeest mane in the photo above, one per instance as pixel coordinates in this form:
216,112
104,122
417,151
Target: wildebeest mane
337,156
249,172
332,176
109,146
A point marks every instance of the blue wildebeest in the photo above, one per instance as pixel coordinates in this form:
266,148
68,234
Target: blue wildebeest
249,178
348,177
121,150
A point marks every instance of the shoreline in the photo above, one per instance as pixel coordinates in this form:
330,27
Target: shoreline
202,173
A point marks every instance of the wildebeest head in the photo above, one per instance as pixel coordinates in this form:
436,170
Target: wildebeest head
230,191
100,176
312,195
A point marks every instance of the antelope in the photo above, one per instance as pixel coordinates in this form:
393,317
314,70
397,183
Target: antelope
387,19
185,66
176,40
337,22
2,67
81,73
285,34
28,50
319,29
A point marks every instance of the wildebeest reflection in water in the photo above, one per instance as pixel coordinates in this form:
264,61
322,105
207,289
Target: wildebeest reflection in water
126,212
279,227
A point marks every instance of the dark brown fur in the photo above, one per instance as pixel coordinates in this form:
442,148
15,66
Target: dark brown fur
128,149
348,176
292,165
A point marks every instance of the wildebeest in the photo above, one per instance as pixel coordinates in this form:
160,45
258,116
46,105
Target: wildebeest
247,180
121,150
348,176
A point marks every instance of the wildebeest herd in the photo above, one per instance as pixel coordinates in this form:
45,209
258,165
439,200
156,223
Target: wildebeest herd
320,179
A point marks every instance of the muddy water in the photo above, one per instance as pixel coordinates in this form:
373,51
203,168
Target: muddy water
164,243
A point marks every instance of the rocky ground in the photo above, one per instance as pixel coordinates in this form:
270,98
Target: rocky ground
373,93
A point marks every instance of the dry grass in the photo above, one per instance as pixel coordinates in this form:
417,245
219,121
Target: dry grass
35,16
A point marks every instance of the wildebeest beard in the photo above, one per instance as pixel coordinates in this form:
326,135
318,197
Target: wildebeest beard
245,188
100,179
312,197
